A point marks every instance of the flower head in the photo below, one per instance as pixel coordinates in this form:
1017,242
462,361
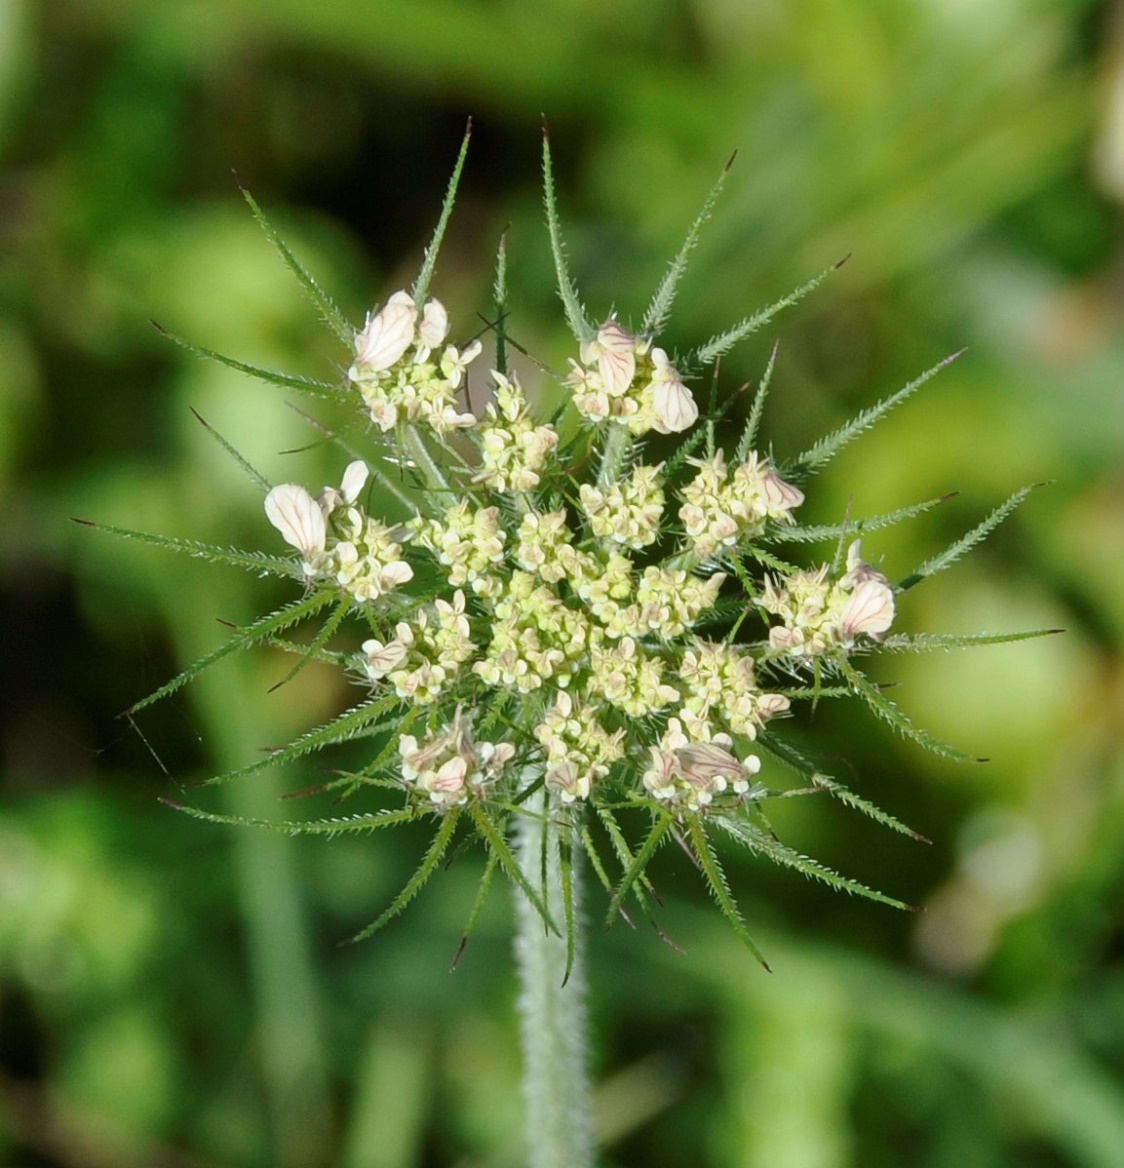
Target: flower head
450,767
622,378
395,372
819,615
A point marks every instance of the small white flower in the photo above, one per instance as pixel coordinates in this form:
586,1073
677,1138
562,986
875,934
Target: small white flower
354,480
383,658
297,515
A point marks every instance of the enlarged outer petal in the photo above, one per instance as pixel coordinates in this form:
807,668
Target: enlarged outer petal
674,407
396,573
297,515
780,497
354,479
869,609
385,337
434,324
672,402
381,659
616,357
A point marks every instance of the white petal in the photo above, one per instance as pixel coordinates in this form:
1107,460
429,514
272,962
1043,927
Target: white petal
869,609
674,406
397,573
385,337
297,515
616,357
354,479
781,496
434,325
381,659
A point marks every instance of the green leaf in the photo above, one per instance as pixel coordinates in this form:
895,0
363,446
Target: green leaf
724,342
639,863
830,445
575,314
499,298
322,637
330,314
845,795
660,308
348,725
929,642
716,881
307,385
330,827
259,562
891,714
978,533
242,638
421,285
419,879
749,434
477,905
766,845
822,532
258,478
566,875
493,837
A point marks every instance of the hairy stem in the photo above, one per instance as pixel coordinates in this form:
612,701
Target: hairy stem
552,1012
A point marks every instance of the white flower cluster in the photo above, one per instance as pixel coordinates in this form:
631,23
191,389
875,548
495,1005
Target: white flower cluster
450,766
337,539
622,378
423,657
719,682
399,373
577,749
819,614
687,773
628,512
468,543
512,448
598,649
720,508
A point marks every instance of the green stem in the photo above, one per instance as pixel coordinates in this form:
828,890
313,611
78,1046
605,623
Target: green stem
618,442
552,1010
431,473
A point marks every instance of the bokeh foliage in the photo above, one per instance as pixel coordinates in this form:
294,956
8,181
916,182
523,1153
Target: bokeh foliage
173,993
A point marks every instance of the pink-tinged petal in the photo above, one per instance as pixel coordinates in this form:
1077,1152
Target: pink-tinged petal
434,325
297,515
674,406
869,609
450,776
616,358
702,762
354,480
385,337
381,659
779,495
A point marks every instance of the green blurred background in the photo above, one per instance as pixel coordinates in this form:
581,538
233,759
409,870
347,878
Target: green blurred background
173,993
